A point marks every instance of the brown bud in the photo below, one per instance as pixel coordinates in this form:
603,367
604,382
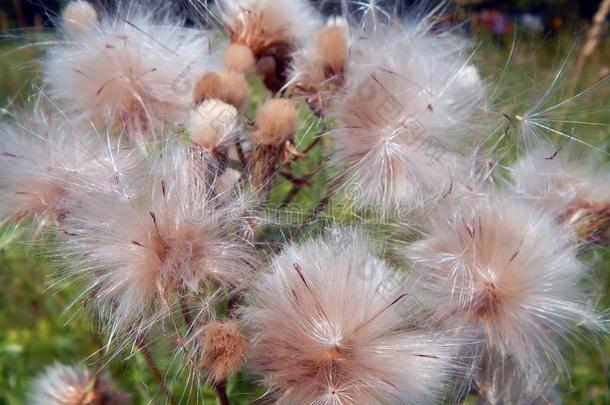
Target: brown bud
239,58
224,348
276,122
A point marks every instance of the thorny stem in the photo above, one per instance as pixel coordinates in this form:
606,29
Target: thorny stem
264,167
297,187
290,196
241,155
221,391
312,145
155,372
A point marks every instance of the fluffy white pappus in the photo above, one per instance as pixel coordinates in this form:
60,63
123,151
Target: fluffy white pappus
264,24
133,70
502,381
338,21
43,161
72,385
470,79
214,125
78,16
508,272
407,118
63,385
175,239
575,192
328,326
558,113
227,184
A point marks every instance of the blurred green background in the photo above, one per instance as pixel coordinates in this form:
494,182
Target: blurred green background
35,331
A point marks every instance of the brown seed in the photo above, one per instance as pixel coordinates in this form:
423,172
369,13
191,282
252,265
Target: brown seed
239,58
209,86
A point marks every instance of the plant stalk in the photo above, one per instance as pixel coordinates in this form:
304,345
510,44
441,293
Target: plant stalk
155,372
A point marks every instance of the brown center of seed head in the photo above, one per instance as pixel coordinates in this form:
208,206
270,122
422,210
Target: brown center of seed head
334,353
176,250
488,302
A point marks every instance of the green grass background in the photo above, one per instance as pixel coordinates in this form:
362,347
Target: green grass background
35,331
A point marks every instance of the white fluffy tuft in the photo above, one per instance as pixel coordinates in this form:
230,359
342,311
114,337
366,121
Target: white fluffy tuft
79,16
176,238
262,24
510,273
575,193
213,124
329,327
555,181
63,385
73,385
44,160
134,69
407,114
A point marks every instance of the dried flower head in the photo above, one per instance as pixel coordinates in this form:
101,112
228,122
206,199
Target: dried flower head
223,349
327,328
405,120
576,193
267,26
176,238
235,89
276,122
510,273
271,29
73,385
213,125
209,86
134,69
43,159
239,58
228,86
317,70
332,48
78,16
